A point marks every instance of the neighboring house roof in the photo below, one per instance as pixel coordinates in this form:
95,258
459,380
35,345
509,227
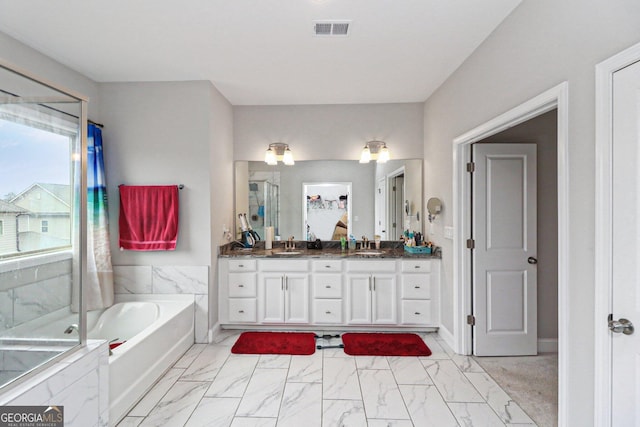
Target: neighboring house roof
6,207
59,191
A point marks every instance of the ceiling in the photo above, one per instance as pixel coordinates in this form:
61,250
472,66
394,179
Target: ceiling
263,52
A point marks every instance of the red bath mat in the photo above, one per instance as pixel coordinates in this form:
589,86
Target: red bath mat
298,343
372,344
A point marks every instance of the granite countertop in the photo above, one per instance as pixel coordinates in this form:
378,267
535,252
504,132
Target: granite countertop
329,250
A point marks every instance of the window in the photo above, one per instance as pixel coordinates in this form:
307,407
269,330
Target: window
37,178
1,227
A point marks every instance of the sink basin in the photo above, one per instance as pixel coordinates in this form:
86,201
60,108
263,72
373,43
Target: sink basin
370,253
286,253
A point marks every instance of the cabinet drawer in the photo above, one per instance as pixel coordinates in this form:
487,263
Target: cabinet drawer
327,286
416,312
242,310
416,286
284,266
242,285
331,265
327,311
382,266
415,266
236,265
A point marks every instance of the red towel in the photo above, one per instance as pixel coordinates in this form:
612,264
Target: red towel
148,217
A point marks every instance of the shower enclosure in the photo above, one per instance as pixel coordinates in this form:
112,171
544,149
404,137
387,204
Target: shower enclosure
42,217
264,209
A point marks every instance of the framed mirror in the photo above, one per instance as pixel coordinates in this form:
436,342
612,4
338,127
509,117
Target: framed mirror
377,208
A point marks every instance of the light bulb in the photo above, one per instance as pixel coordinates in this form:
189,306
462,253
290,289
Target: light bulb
365,157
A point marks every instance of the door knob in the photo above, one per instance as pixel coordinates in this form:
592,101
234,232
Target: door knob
532,260
622,325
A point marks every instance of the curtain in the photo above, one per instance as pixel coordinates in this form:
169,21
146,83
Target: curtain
99,285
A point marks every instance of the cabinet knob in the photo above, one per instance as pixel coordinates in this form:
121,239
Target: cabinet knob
241,286
327,266
328,286
416,266
327,312
417,313
240,311
417,287
241,265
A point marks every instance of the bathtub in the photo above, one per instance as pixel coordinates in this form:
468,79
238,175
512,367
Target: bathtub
155,330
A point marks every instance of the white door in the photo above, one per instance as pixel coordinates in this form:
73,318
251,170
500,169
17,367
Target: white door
381,209
272,296
504,257
296,288
383,288
359,305
626,245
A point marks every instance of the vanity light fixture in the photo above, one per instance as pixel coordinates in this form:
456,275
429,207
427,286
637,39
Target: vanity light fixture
375,150
278,151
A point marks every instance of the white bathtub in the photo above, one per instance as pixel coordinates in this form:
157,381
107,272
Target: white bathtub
156,330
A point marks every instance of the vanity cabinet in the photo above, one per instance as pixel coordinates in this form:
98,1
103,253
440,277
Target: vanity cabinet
371,290
415,292
389,292
326,279
283,291
242,291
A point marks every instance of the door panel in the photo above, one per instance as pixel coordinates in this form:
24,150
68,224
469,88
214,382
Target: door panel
359,305
273,299
626,244
297,298
504,230
384,299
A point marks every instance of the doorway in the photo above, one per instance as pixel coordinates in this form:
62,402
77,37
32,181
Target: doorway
554,98
396,203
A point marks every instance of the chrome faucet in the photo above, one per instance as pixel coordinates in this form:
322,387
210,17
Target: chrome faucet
71,328
365,243
289,244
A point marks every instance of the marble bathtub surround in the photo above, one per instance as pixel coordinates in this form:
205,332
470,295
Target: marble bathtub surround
326,389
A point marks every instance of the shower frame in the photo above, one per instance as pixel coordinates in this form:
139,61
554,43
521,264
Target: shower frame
79,231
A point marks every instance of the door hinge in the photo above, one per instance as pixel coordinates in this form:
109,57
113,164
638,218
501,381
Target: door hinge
471,320
471,244
471,167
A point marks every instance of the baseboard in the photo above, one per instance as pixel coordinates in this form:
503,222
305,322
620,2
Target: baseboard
547,345
447,337
215,330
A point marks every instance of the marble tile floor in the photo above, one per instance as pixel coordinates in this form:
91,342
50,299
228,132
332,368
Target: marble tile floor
209,386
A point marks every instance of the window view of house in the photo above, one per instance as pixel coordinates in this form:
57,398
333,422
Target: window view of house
35,187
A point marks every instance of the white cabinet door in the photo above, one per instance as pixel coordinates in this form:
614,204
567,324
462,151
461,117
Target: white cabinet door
384,299
359,305
296,293
272,298
284,298
372,299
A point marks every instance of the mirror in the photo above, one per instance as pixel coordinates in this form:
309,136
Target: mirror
385,199
434,206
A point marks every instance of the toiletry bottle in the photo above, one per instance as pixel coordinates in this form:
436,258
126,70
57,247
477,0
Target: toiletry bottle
343,243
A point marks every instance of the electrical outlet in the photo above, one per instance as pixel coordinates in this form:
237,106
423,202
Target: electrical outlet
448,232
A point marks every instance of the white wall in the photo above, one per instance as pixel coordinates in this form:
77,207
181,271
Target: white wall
328,132
541,44
158,134
221,175
50,70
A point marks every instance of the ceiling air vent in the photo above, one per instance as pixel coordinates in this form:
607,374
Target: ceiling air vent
331,28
